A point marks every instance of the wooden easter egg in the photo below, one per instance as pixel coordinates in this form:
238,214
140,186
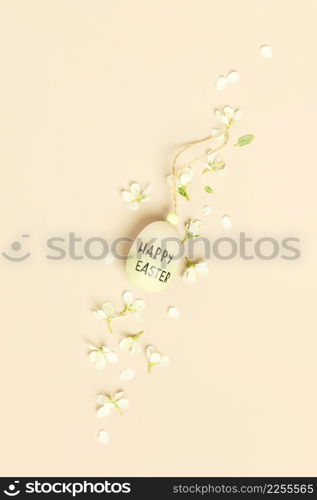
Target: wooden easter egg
154,256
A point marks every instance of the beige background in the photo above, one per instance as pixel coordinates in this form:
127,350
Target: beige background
94,94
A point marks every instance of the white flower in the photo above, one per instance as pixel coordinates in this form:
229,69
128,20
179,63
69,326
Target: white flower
107,403
127,374
132,306
130,343
155,358
103,436
173,312
206,210
228,115
193,228
214,163
106,312
100,356
135,196
184,179
194,270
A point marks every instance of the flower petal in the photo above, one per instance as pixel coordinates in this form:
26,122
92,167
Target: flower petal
127,196
211,157
127,374
103,436
186,176
101,399
123,403
155,357
170,180
100,314
226,222
134,205
109,258
105,410
108,308
126,343
149,351
173,312
127,297
233,77
117,395
228,110
93,356
146,191
206,210
112,357
266,51
201,268
164,361
100,363
221,82
135,189
189,275
139,304
237,114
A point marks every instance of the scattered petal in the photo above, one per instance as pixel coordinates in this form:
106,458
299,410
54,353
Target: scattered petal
103,436
233,77
221,82
173,312
226,222
127,374
207,210
109,258
127,297
266,51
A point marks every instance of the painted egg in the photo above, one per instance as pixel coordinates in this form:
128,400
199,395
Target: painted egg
154,257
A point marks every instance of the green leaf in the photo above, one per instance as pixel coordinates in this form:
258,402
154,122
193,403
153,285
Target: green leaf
245,139
208,189
182,191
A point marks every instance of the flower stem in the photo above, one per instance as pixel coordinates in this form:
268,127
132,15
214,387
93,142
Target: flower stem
109,325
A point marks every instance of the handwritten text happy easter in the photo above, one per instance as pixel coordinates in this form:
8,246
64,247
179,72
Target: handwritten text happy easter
157,253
